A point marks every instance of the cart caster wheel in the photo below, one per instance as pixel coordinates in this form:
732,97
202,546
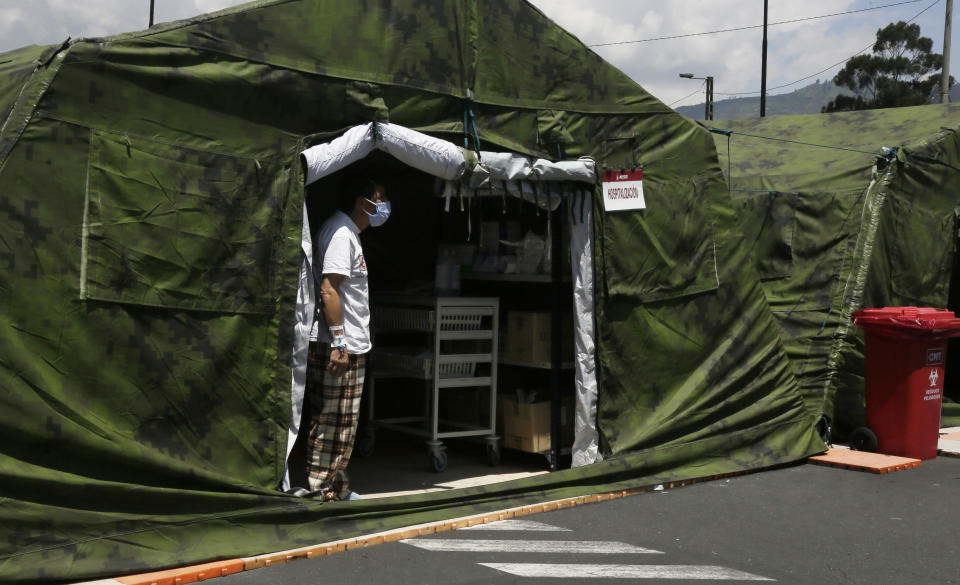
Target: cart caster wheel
366,443
439,461
863,439
493,455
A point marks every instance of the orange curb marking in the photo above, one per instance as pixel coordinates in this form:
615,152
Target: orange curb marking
425,529
185,575
271,559
864,461
222,568
951,436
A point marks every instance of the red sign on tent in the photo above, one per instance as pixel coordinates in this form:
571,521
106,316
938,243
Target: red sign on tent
623,190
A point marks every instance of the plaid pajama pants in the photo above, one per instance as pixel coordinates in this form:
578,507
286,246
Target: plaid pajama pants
334,413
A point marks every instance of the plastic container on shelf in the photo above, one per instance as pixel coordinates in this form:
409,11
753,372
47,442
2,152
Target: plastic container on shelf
906,350
447,278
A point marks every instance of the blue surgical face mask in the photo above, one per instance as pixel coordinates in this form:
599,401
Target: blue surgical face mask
380,216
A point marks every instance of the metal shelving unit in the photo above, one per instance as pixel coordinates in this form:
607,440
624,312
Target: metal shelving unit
558,279
459,351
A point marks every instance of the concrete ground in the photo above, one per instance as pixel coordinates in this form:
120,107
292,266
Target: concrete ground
800,525
400,465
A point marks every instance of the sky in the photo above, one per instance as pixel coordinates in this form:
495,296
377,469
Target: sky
808,49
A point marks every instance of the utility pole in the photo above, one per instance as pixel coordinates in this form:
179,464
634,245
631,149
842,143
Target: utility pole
151,12
945,74
709,105
763,66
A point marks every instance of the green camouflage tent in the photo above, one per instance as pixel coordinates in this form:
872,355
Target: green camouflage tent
845,211
151,244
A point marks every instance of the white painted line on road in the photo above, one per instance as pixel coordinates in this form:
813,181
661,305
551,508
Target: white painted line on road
518,525
948,447
623,571
528,546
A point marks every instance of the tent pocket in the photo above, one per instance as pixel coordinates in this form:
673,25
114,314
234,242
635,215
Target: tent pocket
921,254
665,251
172,227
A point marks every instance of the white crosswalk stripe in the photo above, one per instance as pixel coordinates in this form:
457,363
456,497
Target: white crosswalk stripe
587,571
529,546
517,525
581,571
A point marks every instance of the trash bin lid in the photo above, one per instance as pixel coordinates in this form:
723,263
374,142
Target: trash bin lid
908,321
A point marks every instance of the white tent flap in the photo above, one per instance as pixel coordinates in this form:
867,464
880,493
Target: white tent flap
499,166
430,155
434,156
329,157
586,439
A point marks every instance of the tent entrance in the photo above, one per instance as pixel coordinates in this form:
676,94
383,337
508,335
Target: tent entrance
402,257
507,238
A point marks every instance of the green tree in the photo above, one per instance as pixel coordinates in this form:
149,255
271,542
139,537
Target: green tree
901,71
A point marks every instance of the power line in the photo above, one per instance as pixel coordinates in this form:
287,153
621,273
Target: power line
916,16
670,105
713,32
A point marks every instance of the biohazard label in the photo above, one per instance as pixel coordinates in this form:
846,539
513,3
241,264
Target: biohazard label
935,379
623,190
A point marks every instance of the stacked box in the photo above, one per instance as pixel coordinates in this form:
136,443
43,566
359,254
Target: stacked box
526,426
527,338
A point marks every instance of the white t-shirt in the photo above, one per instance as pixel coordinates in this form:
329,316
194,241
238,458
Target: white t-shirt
337,251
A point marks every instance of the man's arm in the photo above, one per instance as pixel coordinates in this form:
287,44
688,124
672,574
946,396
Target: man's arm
333,315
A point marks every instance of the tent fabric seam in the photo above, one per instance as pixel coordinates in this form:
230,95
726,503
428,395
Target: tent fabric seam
177,25
40,63
184,23
279,161
851,299
45,86
85,228
343,74
349,75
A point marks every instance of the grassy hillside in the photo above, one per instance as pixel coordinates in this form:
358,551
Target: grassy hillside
806,100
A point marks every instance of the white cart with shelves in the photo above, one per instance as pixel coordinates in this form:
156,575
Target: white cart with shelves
457,348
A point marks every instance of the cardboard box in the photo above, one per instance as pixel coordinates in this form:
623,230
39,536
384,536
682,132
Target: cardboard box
527,426
527,338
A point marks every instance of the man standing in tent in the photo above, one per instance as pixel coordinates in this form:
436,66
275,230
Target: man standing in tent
337,359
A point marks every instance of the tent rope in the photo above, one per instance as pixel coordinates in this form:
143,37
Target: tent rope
470,129
887,153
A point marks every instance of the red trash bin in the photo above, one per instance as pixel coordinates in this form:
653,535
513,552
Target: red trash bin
906,351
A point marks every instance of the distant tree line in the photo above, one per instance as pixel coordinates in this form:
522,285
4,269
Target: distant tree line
902,70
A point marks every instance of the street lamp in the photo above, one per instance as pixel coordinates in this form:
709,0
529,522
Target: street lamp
709,105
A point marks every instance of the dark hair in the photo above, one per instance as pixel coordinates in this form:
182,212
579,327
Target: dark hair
356,186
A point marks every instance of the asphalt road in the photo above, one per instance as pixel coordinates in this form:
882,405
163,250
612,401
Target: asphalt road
803,525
